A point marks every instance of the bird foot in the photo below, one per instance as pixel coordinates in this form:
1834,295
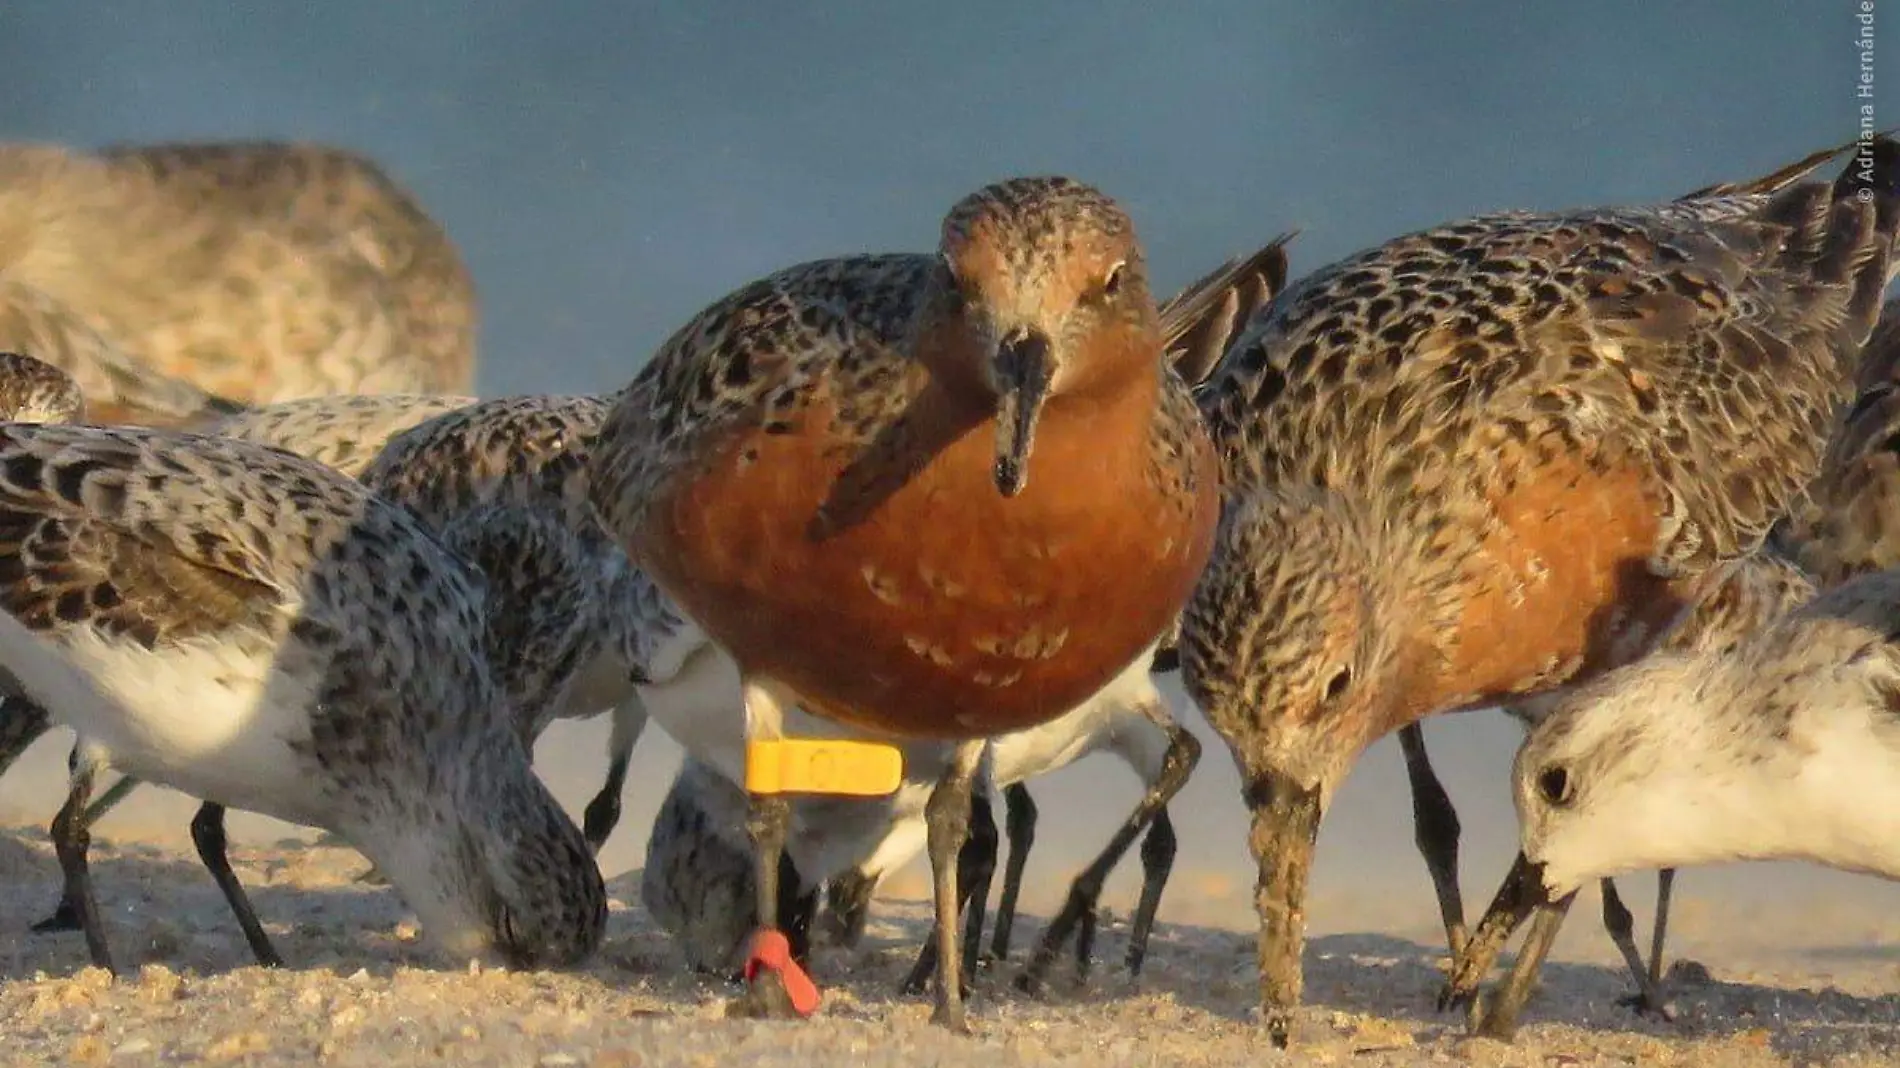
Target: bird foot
64,918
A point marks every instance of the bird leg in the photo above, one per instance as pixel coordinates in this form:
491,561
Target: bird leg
71,842
1649,999
976,863
1184,752
947,817
207,833
603,812
1157,863
1436,829
768,821
1019,818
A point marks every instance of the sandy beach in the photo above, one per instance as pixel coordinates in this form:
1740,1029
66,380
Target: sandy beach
1791,965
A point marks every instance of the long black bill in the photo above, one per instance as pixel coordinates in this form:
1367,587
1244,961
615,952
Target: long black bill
1285,828
1522,894
1023,372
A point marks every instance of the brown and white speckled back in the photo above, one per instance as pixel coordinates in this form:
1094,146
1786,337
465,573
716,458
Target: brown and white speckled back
346,431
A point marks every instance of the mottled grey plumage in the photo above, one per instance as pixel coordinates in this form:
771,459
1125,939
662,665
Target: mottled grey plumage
260,631
260,271
31,391
572,622
697,882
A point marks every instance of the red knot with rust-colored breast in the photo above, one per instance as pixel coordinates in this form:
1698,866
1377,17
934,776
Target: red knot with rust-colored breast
941,496
1496,457
259,271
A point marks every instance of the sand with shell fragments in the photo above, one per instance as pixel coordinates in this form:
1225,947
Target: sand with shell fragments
361,991
1803,965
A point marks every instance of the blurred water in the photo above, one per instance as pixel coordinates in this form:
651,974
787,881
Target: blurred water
610,168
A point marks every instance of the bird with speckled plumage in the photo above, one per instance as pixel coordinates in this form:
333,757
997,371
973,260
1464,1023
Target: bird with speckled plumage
937,496
254,271
1496,457
258,631
498,482
343,432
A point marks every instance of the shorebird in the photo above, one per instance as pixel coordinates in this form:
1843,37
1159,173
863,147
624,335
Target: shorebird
690,859
343,432
259,631
31,391
1781,747
1845,525
526,450
1498,457
1749,593
258,271
500,482
830,470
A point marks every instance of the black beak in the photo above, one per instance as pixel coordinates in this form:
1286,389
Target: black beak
1022,377
1522,894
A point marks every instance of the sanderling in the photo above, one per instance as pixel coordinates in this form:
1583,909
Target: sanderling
1781,746
261,632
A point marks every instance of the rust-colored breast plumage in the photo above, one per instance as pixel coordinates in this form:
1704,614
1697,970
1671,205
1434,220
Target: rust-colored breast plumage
840,531
1559,420
944,609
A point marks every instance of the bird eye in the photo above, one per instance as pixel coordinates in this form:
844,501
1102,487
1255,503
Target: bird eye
1554,783
1112,282
1336,685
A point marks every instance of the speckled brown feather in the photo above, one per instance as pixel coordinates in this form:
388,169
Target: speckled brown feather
795,471
1675,370
345,432
1201,321
1848,521
260,271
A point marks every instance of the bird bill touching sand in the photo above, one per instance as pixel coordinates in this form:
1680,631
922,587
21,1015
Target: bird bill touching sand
1783,747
